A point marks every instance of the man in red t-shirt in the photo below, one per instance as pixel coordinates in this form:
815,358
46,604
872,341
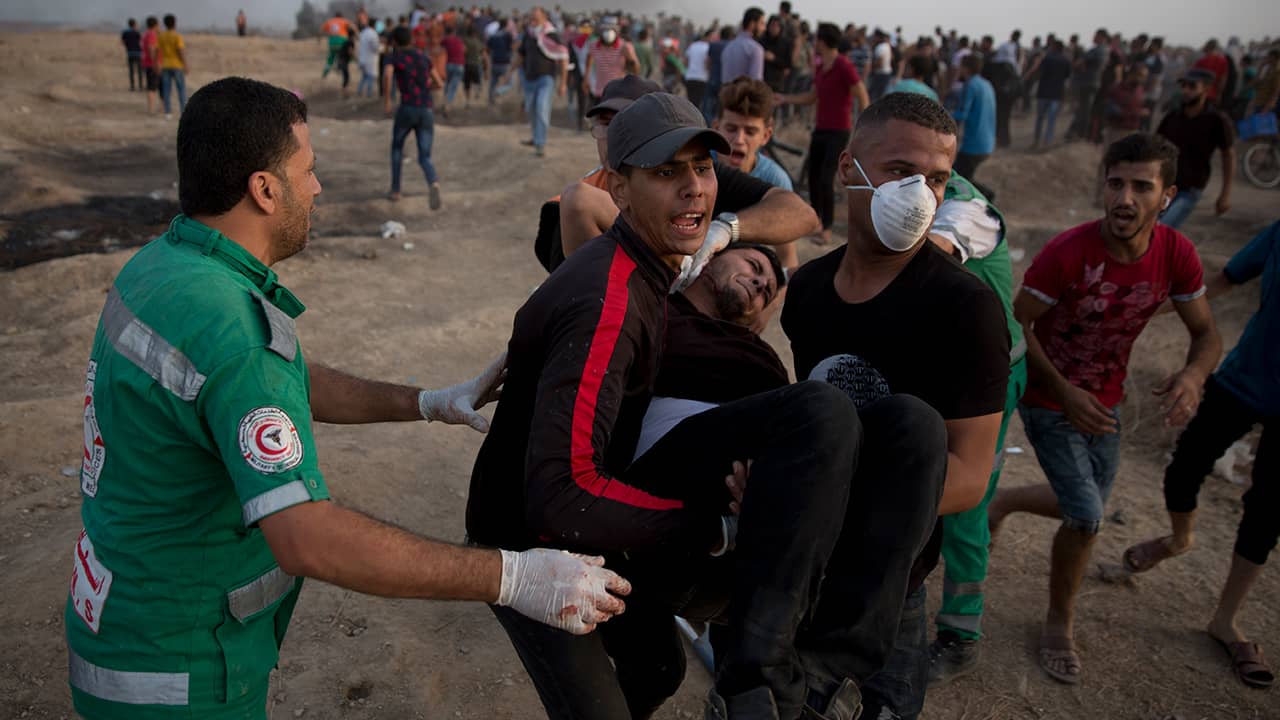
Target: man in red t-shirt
1215,62
151,60
1085,299
836,85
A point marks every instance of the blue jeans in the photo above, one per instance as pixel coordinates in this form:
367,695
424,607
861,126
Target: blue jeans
178,78
453,78
1046,110
900,686
537,102
365,86
1180,209
496,73
422,123
1081,468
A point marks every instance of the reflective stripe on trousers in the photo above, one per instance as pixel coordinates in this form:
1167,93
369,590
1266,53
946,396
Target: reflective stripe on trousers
134,688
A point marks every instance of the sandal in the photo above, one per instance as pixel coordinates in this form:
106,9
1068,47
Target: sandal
1059,649
1146,555
1248,663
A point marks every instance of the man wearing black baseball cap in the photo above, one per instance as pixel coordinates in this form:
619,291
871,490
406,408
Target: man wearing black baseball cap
557,468
1198,128
745,209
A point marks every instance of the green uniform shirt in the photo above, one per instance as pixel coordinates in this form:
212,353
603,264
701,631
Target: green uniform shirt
197,425
995,269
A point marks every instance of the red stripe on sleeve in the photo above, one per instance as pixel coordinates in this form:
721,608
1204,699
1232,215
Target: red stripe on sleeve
603,341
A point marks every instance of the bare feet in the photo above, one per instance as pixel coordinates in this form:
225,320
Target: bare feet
1058,656
1146,555
1225,631
823,239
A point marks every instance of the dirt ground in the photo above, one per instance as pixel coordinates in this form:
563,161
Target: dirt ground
74,142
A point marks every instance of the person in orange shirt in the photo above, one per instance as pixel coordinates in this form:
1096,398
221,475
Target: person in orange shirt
336,28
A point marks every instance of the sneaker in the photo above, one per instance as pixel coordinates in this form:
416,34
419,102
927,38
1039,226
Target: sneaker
950,657
539,151
754,704
435,197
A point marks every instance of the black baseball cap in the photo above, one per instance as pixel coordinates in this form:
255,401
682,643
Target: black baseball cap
651,130
1199,75
620,93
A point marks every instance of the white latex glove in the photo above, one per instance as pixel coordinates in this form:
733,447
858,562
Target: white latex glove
457,404
561,589
718,236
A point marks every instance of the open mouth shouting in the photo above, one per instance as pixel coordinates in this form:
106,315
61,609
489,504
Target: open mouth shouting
688,224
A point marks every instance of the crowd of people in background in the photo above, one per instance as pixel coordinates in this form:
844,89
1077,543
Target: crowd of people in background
905,129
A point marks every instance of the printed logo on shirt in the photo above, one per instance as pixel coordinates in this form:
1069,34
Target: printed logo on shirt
858,378
269,440
90,583
95,452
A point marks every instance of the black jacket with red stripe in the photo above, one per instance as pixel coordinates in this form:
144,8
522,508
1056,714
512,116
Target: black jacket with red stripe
583,357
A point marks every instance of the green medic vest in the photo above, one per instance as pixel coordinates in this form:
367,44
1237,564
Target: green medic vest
197,424
994,269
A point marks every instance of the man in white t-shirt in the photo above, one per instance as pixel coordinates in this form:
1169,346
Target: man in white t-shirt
367,46
881,66
697,69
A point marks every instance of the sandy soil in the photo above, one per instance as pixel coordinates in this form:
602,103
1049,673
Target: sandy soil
434,314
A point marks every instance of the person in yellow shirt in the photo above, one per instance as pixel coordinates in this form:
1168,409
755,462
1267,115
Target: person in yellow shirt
173,65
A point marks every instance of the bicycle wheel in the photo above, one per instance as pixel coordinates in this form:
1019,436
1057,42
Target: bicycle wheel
1261,164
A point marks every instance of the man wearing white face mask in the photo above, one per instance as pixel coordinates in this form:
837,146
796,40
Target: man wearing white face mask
891,313
609,58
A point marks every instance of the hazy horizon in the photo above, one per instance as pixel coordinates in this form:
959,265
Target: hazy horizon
1182,22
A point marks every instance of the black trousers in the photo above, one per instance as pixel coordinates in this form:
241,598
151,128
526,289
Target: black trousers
696,90
1221,420
135,74
838,505
824,158
1082,120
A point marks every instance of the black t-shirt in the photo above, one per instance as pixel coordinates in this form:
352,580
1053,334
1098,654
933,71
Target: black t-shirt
537,64
1196,137
1055,68
737,190
713,360
936,332
132,42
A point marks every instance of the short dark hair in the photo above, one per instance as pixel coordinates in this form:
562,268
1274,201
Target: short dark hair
784,6
972,62
1144,148
401,36
829,35
170,21
152,21
919,65
133,23
231,129
908,107
748,97
751,16
774,262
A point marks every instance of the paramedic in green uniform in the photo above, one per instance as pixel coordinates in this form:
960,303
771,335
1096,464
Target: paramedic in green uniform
203,503
969,227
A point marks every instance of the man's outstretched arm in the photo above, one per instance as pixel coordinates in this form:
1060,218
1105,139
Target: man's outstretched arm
327,542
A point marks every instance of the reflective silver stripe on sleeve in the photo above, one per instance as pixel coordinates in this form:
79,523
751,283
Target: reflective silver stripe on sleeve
1039,295
134,688
1018,351
151,353
284,332
247,600
1188,298
275,500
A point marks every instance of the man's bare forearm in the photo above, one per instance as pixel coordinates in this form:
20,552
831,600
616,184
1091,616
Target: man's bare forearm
1204,353
325,541
780,217
340,398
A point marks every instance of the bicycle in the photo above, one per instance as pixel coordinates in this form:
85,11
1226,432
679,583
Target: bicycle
1261,162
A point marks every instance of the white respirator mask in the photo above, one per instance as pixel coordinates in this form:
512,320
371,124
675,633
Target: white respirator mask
901,210
608,36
